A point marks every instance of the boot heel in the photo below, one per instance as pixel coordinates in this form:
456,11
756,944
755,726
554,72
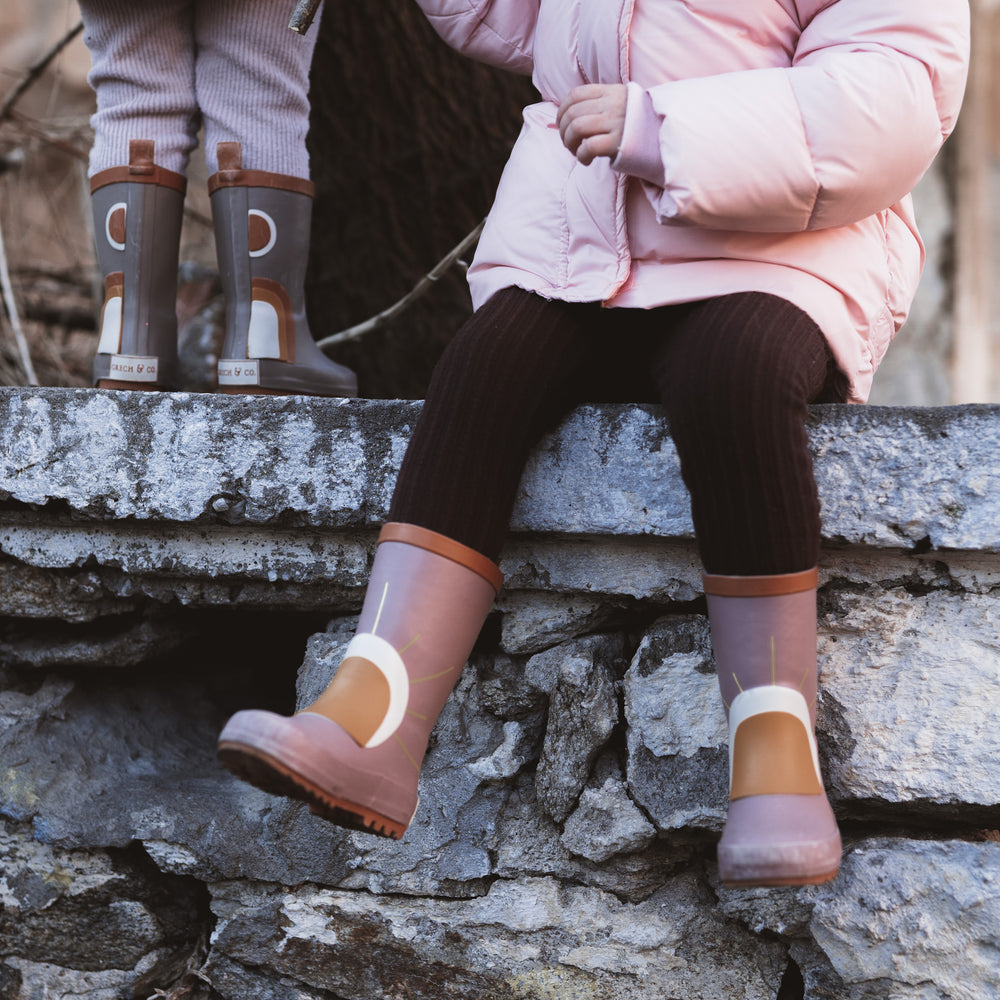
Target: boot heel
137,222
262,222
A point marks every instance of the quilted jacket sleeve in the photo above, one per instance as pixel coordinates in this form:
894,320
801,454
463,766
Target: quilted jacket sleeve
498,32
845,132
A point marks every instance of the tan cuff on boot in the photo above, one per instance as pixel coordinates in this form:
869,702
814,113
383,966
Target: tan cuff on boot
760,586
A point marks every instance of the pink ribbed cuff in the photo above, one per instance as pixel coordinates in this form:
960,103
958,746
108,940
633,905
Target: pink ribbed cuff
639,153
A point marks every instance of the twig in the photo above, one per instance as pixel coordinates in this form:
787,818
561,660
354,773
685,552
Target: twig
419,289
15,321
302,16
35,129
35,71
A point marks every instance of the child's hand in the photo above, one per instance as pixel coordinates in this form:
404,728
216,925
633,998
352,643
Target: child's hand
591,119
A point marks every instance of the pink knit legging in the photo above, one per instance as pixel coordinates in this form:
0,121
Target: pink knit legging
164,68
734,373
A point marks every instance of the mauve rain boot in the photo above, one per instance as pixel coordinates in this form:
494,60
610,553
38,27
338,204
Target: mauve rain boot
262,226
354,754
780,829
137,224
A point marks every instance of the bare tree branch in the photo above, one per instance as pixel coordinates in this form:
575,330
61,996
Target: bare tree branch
419,289
35,71
12,315
302,16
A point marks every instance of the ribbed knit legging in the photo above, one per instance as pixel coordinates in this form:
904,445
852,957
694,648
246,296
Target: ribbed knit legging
735,374
162,68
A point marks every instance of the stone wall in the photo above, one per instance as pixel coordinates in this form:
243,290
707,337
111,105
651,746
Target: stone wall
168,559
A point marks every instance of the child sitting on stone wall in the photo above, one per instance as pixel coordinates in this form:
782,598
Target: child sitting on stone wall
711,198
161,69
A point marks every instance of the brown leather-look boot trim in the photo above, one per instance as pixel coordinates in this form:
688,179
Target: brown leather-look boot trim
442,545
772,756
232,174
140,170
760,586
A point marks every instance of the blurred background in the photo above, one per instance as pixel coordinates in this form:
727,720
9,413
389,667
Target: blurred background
407,143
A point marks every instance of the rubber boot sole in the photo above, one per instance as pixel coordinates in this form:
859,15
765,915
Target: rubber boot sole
272,775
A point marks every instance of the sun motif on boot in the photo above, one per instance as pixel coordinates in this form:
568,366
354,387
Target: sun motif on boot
774,681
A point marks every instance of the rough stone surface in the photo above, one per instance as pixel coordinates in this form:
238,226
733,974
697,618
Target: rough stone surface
583,712
676,727
564,846
88,922
606,822
533,938
911,919
608,470
910,687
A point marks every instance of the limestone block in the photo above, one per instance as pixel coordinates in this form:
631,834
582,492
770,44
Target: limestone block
207,564
910,688
234,981
203,457
70,918
22,979
77,596
583,712
534,621
528,938
636,568
896,477
609,470
530,843
119,641
606,822
677,763
95,763
913,919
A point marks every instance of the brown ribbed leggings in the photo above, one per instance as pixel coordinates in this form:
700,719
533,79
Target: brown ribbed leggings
735,375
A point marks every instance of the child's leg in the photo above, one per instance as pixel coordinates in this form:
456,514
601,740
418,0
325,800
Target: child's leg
144,131
354,755
252,80
736,376
503,380
143,74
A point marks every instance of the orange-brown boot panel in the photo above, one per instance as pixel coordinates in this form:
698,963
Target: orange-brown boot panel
357,698
772,756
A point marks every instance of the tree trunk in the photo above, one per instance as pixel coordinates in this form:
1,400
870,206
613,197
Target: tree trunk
407,140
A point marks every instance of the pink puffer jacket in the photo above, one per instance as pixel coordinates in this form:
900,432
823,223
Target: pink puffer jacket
769,145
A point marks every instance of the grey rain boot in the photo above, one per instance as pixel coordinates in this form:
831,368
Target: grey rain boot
137,225
262,223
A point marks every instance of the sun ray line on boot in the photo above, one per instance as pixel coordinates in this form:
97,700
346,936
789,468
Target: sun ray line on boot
381,604
774,679
433,677
407,646
738,684
409,756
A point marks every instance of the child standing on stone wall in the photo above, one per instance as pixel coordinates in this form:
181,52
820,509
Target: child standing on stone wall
162,69
710,199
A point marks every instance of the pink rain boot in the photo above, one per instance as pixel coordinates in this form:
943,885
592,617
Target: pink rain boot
354,755
780,829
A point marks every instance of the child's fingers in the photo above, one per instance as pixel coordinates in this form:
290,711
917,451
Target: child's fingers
579,125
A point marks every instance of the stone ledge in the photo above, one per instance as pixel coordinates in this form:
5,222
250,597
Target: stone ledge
549,858
889,477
